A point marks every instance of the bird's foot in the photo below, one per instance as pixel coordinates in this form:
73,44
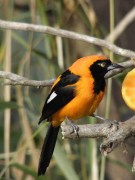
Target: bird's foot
75,127
112,124
98,117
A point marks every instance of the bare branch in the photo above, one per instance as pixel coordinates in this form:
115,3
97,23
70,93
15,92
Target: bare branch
129,18
19,80
113,136
67,34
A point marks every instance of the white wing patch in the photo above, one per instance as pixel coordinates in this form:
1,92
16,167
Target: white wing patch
52,96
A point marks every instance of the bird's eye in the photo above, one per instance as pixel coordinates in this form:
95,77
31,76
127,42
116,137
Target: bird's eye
103,64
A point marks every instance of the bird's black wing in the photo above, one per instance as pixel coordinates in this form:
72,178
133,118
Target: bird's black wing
62,93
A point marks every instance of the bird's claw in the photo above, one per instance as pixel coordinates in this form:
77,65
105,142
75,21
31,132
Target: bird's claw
75,127
112,124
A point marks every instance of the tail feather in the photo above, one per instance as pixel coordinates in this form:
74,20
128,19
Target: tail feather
47,149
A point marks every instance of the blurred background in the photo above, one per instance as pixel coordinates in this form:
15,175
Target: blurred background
40,56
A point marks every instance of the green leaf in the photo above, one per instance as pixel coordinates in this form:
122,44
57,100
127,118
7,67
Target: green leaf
64,164
24,168
122,164
10,104
39,53
20,40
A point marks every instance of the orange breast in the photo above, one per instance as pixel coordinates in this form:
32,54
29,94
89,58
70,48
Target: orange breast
84,103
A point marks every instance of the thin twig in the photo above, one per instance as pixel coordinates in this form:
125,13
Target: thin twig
7,97
129,18
19,80
67,34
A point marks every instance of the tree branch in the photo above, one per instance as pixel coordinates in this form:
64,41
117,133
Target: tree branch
19,80
113,136
67,34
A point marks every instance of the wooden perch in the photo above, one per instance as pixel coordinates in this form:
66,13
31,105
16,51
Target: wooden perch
112,136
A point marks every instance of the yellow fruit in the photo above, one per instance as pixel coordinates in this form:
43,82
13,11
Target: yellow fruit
128,89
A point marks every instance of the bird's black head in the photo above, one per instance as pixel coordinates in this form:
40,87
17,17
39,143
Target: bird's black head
98,70
100,67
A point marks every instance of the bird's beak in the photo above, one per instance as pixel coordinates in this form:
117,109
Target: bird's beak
114,66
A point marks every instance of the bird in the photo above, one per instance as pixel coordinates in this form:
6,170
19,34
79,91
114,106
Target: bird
76,93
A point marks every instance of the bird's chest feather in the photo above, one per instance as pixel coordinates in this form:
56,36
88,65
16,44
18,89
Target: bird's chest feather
85,101
89,95
83,104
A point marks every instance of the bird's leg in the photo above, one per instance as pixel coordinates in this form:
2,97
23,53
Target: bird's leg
75,127
98,117
114,124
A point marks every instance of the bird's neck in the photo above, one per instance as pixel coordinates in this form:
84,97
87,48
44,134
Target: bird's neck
99,85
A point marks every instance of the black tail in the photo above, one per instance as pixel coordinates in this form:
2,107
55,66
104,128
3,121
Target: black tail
47,149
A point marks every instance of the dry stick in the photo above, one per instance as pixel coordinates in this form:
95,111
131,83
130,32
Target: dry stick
7,97
122,25
27,131
67,34
19,80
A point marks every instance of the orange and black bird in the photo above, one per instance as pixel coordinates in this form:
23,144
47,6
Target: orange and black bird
76,93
